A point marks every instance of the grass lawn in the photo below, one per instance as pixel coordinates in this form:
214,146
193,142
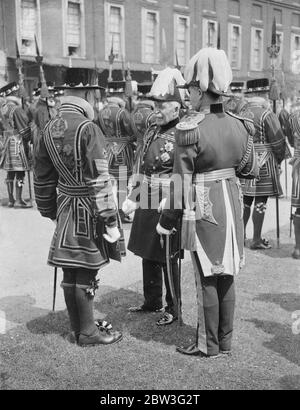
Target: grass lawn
266,353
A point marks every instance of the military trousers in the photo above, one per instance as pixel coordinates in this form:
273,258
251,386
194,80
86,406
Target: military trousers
216,303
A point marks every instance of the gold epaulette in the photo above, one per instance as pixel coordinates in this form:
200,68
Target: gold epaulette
248,123
187,130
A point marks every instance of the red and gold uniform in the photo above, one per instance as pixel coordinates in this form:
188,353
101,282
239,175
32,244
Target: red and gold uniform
213,148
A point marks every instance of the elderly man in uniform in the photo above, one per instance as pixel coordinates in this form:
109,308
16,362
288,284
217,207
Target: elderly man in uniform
270,147
146,197
15,155
213,148
73,189
114,121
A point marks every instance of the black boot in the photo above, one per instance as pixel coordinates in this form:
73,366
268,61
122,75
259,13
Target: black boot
19,201
90,334
70,299
296,252
10,190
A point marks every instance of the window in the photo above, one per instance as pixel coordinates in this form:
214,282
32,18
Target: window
73,28
150,36
278,16
114,31
256,49
28,25
234,7
181,38
235,43
210,33
295,20
295,53
279,42
257,12
209,5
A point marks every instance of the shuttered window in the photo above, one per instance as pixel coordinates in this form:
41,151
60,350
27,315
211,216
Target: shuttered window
182,39
115,29
73,28
29,24
235,42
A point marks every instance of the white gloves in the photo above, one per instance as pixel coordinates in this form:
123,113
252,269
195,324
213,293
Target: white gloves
129,206
162,231
112,235
162,204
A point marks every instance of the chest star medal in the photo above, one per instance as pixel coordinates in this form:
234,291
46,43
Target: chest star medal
191,122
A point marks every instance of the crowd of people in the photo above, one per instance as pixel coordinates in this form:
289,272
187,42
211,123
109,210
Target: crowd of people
183,159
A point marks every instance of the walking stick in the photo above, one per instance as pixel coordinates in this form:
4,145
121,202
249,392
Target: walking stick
277,221
291,221
54,289
285,171
179,312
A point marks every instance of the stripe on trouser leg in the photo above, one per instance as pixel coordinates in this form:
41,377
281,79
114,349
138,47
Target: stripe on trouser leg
201,340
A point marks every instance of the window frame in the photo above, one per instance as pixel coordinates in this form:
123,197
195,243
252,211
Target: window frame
18,26
205,22
107,40
230,31
144,13
82,28
253,29
178,16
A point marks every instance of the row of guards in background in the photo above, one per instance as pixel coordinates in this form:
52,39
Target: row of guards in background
251,99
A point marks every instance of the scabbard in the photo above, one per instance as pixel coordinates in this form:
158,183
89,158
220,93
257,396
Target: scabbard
170,273
54,289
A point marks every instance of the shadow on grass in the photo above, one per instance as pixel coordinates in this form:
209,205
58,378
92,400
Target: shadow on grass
113,306
141,325
287,301
290,382
284,342
20,309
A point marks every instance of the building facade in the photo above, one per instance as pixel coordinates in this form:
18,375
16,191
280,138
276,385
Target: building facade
148,34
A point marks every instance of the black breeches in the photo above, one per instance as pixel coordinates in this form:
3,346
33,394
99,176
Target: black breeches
248,200
79,276
19,175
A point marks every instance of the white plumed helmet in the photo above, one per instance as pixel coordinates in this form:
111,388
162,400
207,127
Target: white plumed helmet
210,69
165,86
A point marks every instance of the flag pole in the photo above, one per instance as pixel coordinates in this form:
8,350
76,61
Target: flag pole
273,51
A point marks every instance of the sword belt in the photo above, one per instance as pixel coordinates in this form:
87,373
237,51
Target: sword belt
216,175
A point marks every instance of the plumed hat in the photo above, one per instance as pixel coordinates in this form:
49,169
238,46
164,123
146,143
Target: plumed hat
166,86
75,79
9,89
257,85
210,70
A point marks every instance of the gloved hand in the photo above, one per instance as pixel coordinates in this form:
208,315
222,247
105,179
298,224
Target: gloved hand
162,231
161,205
112,235
54,221
129,206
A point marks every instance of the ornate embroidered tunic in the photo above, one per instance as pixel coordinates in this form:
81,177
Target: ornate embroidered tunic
270,147
154,184
211,149
72,185
116,127
295,161
141,119
16,137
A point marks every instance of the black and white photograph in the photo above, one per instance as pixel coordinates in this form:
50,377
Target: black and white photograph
149,198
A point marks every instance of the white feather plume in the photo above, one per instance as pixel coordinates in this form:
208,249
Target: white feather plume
222,73
166,81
